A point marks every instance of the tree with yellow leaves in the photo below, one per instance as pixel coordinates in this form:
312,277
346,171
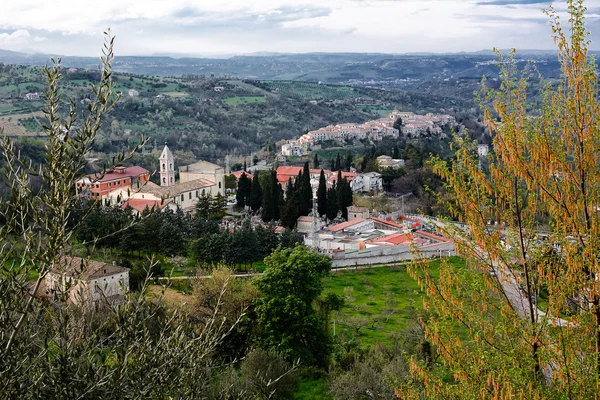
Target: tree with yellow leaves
526,323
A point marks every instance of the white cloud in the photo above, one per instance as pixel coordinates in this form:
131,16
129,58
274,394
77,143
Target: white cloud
74,27
18,39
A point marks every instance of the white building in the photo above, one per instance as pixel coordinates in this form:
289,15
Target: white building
87,282
133,93
369,182
32,96
207,171
483,150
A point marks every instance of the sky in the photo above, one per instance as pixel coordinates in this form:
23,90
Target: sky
228,27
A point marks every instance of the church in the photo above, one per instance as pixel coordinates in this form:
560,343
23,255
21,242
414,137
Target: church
195,180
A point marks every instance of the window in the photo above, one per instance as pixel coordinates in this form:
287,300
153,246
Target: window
171,166
196,193
219,185
190,195
171,179
164,180
164,167
182,197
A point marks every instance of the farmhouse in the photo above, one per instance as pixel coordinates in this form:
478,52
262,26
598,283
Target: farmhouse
87,283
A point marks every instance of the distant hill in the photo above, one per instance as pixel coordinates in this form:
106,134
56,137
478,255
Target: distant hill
361,69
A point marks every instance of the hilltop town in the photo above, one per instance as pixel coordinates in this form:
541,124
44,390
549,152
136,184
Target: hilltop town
411,125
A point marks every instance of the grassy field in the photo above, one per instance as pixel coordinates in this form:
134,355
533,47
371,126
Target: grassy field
310,90
380,111
380,302
312,390
238,100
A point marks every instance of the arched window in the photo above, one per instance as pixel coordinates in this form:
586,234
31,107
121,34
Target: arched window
163,166
164,180
171,166
171,179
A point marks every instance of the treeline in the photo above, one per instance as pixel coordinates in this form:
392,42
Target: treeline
264,195
202,236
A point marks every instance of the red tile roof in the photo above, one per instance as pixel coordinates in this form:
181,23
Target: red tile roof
344,225
134,171
238,174
396,238
141,204
432,236
289,171
389,223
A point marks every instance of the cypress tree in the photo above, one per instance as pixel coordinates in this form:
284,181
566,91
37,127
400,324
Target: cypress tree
338,163
255,194
276,195
244,165
332,164
322,195
348,161
307,194
396,153
268,202
289,190
243,192
344,196
332,203
316,161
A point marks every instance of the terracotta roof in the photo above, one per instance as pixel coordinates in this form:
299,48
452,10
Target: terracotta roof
305,218
289,171
390,223
344,225
178,188
86,269
432,236
112,175
238,174
141,204
397,238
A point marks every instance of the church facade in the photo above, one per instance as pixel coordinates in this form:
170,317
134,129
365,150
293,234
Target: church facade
196,180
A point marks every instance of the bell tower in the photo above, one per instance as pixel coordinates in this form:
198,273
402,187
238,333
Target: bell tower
167,168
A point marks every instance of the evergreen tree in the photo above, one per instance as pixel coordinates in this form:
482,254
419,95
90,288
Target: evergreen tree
332,203
322,195
395,152
338,163
268,201
398,124
242,195
244,165
332,164
267,239
344,195
256,194
316,161
306,188
348,161
289,190
277,196
290,212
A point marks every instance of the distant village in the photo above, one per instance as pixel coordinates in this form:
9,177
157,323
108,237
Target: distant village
412,125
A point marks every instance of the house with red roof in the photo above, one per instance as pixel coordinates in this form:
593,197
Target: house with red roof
98,186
